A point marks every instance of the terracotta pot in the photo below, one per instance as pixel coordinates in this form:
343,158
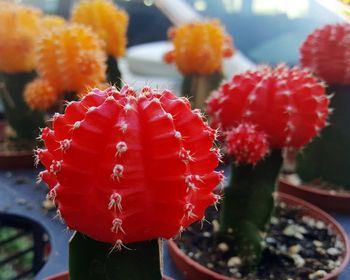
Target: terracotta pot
65,276
331,202
193,270
14,160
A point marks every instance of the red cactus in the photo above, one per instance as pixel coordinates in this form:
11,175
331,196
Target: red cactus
325,52
246,144
125,167
289,105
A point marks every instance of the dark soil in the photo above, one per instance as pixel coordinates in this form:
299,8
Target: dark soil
8,147
297,248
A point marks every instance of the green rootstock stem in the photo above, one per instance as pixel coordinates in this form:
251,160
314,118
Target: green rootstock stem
93,260
113,72
21,118
198,87
328,156
247,207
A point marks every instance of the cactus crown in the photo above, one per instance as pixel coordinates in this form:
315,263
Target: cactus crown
109,22
70,58
246,144
19,25
325,52
199,48
125,167
51,21
288,104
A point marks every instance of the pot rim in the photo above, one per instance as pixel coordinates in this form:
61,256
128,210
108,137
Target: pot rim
308,209
315,190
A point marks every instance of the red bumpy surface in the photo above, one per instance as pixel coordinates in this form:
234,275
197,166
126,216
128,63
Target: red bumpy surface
325,52
246,144
289,105
125,167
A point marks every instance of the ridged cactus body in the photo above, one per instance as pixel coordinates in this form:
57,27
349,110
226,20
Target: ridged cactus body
124,167
110,23
273,108
199,50
327,158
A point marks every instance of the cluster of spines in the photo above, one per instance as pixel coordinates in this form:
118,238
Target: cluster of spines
70,58
199,48
325,52
246,144
132,162
109,22
19,26
288,104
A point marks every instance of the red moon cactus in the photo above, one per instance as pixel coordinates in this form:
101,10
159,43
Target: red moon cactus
289,105
125,167
246,144
325,52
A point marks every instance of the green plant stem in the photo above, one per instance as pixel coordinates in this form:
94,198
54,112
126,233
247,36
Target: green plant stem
248,205
24,121
198,87
113,72
327,157
93,260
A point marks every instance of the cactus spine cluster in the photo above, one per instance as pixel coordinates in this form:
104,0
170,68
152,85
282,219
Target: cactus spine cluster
124,167
325,52
199,50
272,108
110,23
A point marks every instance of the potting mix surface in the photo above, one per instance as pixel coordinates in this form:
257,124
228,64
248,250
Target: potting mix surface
297,247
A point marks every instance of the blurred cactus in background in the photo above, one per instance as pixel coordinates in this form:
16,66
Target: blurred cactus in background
199,50
19,26
110,23
258,111
325,52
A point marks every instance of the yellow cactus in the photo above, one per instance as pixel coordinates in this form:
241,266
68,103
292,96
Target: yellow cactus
40,95
71,58
19,26
109,22
199,48
49,22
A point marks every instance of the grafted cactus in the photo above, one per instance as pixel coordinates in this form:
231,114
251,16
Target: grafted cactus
325,52
124,167
110,23
40,95
287,108
199,50
19,26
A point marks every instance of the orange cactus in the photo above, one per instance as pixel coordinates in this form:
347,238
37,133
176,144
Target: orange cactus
40,95
199,48
71,58
109,22
19,26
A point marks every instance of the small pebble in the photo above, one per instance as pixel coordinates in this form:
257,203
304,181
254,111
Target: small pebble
21,201
298,260
320,225
274,221
317,275
234,261
216,225
317,243
295,249
333,251
223,247
210,265
206,234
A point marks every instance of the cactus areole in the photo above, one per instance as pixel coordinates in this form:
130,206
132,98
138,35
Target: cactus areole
262,110
124,167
